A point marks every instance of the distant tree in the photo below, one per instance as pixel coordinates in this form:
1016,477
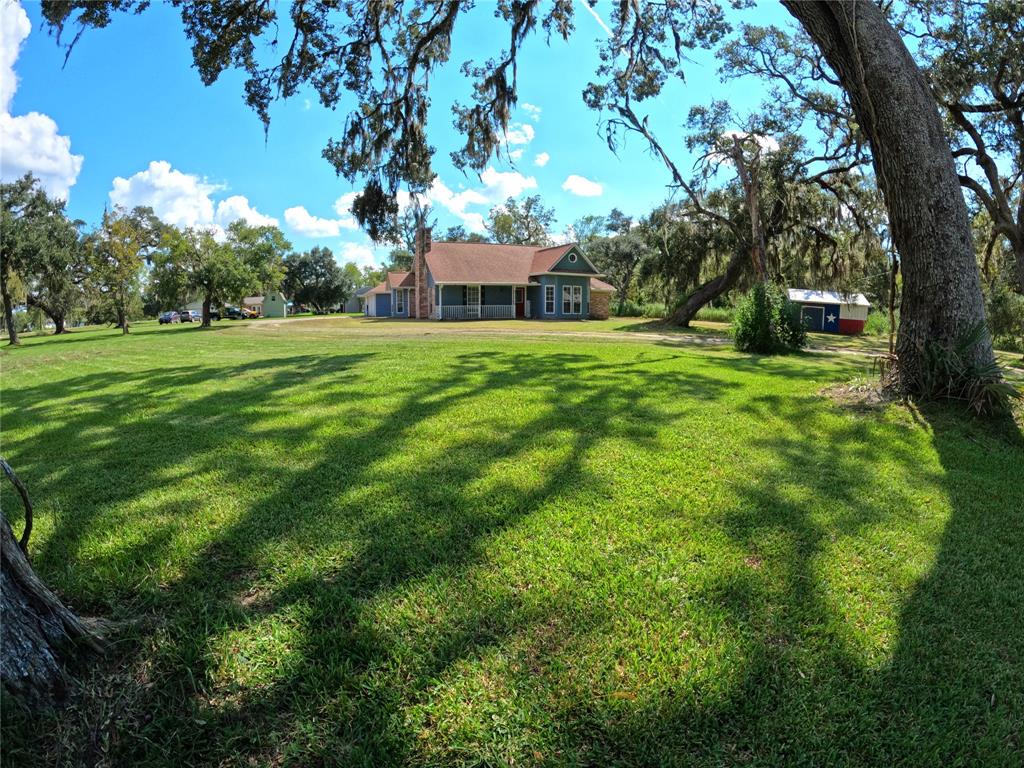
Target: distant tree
399,260
39,253
586,228
191,262
315,279
116,253
372,275
458,234
521,223
619,258
262,249
617,223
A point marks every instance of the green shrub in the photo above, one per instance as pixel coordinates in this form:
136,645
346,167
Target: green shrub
1005,312
626,309
715,314
952,373
654,310
767,322
878,323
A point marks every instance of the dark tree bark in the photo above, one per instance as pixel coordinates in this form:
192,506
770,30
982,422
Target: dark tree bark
206,312
942,297
122,321
5,294
56,315
710,290
39,635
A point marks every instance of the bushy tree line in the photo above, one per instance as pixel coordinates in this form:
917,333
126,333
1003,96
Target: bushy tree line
133,265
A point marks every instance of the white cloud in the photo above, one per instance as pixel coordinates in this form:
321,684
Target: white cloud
515,154
184,199
238,207
359,254
533,111
307,105
542,159
180,199
305,223
29,142
14,29
582,187
519,133
500,185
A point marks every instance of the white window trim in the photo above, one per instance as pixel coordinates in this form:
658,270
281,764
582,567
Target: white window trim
549,287
399,303
575,299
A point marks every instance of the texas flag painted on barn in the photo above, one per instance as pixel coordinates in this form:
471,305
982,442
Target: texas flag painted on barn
831,311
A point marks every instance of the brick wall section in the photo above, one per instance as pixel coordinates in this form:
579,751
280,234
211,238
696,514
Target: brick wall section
599,305
421,305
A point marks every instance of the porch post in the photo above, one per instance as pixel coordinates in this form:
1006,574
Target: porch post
440,302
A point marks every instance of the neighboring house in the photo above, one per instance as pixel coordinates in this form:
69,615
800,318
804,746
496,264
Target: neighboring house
355,301
273,304
471,281
253,304
195,306
831,311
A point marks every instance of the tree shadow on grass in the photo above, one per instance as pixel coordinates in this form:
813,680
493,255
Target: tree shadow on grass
321,539
878,606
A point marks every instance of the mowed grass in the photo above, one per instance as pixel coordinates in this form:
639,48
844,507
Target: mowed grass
314,545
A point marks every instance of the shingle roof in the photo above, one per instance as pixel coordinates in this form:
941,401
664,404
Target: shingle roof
600,286
380,288
401,279
490,262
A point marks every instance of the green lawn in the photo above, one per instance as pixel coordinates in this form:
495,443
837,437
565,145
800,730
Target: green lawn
317,544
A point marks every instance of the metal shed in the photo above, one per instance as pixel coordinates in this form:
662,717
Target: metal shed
831,311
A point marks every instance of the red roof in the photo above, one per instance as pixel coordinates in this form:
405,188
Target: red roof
382,288
491,263
600,286
401,279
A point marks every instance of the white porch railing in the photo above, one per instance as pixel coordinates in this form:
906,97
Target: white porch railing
475,312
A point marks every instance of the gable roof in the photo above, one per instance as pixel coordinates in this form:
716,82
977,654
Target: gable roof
401,279
380,288
491,263
807,296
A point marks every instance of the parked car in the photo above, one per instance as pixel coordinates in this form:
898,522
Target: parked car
190,316
169,317
232,313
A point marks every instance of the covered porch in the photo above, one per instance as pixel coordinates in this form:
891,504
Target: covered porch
481,301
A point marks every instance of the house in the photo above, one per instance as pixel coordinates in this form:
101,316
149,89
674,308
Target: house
273,304
354,303
490,281
831,311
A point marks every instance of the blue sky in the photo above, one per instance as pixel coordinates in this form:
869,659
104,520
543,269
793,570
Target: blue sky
128,121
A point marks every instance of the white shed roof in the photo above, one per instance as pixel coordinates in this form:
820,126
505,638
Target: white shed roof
807,296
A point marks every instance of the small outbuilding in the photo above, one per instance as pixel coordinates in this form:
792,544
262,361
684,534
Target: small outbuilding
275,305
831,311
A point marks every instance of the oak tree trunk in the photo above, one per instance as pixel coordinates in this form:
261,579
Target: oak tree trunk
914,166
710,290
8,302
942,296
206,312
39,635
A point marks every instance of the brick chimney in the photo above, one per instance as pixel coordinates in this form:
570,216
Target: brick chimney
423,303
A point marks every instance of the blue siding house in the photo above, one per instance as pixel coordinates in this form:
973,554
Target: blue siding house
490,281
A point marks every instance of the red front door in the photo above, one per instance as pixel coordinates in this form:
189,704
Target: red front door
520,302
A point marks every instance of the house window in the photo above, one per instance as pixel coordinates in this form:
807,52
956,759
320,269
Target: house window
549,299
572,299
572,258
399,302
